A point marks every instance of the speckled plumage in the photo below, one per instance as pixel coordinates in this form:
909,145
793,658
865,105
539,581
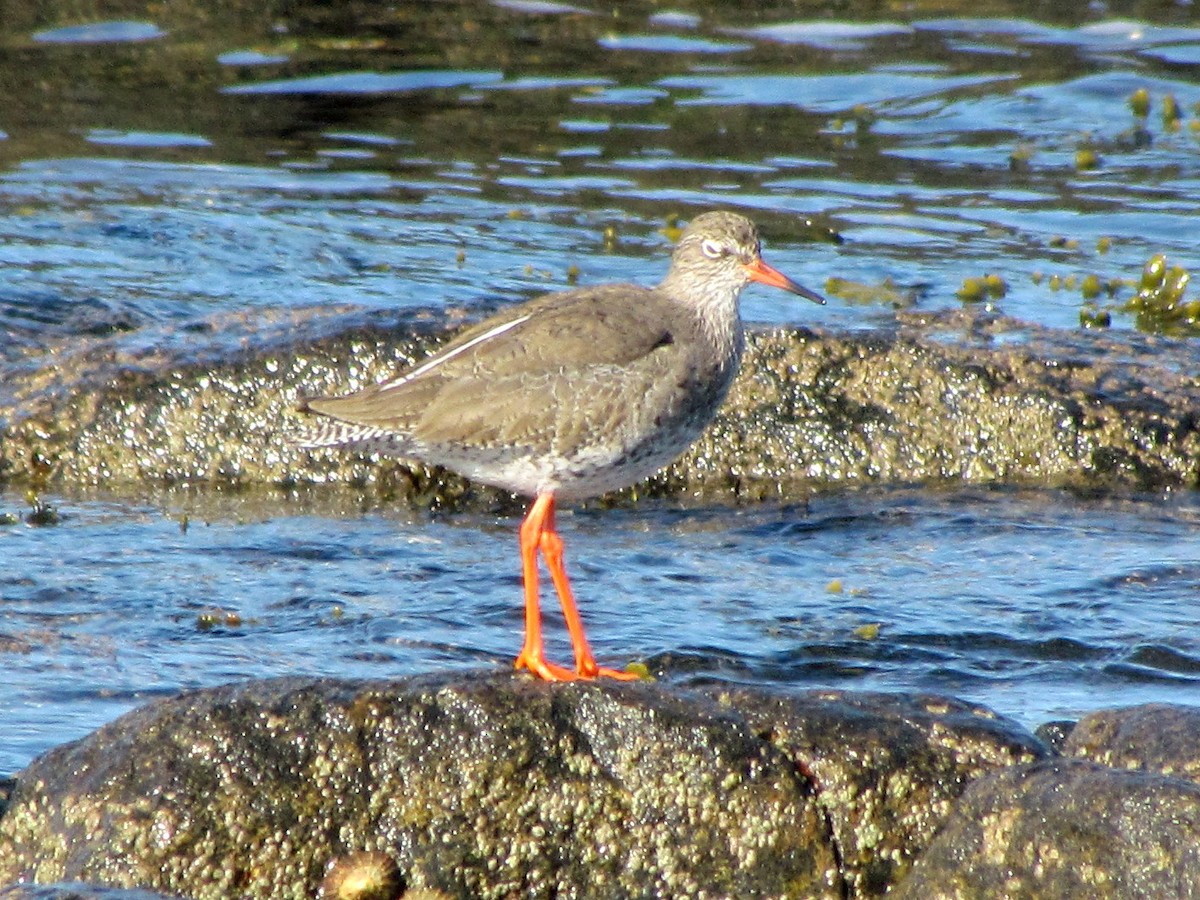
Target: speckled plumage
575,393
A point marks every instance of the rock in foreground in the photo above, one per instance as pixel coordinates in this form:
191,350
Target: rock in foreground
497,786
482,788
500,786
1066,828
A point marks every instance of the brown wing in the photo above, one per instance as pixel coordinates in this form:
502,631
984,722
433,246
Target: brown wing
536,375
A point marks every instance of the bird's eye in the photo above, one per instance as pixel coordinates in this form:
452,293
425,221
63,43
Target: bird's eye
712,249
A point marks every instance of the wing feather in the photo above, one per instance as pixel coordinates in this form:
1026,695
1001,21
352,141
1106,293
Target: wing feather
516,378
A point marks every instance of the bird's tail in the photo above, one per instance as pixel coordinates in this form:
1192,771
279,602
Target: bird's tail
323,431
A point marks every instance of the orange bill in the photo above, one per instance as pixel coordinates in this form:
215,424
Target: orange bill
759,271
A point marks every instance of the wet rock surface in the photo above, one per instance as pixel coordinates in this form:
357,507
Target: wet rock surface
887,767
496,785
1154,737
962,396
486,787
1065,828
1117,816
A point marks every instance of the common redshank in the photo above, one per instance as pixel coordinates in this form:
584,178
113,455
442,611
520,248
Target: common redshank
570,396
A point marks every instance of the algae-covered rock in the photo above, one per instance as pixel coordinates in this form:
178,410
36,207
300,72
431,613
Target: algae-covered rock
1022,406
887,768
961,397
1065,828
1154,737
502,786
486,787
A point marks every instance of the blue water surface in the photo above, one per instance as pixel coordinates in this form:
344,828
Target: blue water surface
1039,604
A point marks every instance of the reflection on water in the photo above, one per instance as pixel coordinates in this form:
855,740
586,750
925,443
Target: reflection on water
1040,605
319,160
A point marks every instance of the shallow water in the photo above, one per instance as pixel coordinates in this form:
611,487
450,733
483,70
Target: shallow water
155,171
463,155
1039,604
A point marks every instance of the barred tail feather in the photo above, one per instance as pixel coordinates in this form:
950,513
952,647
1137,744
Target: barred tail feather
334,433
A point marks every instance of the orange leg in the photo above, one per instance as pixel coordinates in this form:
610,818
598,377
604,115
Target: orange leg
532,655
538,533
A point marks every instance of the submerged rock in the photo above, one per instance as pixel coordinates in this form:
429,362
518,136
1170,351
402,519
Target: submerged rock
963,396
501,786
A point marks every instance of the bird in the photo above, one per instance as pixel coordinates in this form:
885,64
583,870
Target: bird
569,396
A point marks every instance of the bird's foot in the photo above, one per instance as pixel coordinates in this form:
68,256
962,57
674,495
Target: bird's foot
587,671
591,670
547,671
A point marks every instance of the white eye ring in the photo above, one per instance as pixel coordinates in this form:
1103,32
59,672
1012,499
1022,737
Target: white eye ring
711,249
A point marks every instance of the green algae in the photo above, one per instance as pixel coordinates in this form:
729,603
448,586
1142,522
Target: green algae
885,293
977,289
1161,305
